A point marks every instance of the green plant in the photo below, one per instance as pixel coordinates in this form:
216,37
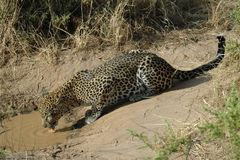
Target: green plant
233,58
235,14
173,144
169,144
233,47
227,122
2,154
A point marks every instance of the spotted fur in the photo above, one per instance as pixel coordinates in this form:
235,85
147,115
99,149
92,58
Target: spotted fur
131,76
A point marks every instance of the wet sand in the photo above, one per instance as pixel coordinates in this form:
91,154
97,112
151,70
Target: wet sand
25,132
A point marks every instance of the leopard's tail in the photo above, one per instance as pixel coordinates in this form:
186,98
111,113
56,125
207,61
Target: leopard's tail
186,75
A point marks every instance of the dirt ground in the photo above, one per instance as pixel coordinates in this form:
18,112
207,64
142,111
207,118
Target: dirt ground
108,138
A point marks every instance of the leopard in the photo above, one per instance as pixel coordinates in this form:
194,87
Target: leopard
129,77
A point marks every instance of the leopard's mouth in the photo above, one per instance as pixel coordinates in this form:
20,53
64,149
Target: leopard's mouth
51,125
51,130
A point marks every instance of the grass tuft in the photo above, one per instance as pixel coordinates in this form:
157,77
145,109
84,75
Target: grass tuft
233,47
166,146
227,122
235,15
2,154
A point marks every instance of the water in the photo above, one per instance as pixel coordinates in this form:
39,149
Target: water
25,132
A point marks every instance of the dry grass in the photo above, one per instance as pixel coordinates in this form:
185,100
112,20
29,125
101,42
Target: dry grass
8,15
220,13
28,26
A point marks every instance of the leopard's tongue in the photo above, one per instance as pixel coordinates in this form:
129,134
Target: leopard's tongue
51,130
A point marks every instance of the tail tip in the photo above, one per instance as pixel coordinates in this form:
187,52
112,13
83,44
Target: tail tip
221,38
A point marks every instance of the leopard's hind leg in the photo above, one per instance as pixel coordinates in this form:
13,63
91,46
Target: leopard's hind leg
155,75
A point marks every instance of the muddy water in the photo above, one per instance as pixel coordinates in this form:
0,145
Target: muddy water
24,132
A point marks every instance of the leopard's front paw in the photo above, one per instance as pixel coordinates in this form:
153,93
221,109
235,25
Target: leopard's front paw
90,116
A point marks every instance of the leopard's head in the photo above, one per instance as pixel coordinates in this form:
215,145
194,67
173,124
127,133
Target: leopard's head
50,109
